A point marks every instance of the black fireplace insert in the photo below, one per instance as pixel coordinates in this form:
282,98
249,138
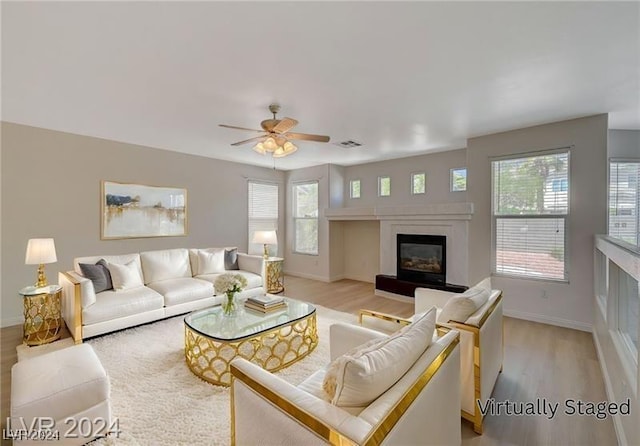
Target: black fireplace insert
422,258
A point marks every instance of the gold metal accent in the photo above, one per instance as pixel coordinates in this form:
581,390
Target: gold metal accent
476,418
383,316
329,434
42,277
265,252
272,350
42,319
274,275
76,328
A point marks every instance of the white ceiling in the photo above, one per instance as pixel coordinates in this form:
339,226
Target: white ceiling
403,78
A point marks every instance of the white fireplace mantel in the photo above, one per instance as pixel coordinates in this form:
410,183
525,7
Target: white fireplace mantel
448,219
448,211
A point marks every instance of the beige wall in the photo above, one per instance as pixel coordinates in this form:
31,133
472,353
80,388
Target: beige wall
568,304
436,166
51,188
361,250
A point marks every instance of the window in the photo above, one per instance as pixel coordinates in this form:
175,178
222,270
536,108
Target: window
530,215
354,188
418,183
624,195
458,180
305,217
263,213
384,186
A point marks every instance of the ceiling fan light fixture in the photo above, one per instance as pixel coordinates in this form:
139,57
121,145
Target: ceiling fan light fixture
270,144
287,149
259,148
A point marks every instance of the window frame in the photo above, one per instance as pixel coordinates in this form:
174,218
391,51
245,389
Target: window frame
412,184
296,218
266,227
351,183
451,183
637,209
566,216
380,178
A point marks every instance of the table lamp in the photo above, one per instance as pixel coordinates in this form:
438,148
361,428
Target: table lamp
39,252
266,238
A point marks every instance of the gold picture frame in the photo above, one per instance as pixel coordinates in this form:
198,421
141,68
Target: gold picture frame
130,210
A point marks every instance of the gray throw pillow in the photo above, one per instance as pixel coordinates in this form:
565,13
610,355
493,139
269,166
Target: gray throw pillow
98,274
231,259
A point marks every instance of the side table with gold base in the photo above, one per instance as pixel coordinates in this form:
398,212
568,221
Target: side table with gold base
274,274
42,314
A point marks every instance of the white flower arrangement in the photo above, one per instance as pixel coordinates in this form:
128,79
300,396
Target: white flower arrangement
230,283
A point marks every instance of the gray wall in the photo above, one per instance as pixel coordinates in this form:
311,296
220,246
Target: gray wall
51,188
624,144
568,304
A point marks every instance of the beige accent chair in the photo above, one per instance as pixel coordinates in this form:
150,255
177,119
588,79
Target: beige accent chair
422,407
481,337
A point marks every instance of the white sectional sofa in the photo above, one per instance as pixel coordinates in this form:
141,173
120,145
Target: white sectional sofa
149,286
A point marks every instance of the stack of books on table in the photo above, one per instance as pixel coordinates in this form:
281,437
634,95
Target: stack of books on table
265,303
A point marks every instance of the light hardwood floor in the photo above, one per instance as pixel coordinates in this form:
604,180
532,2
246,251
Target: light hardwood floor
540,361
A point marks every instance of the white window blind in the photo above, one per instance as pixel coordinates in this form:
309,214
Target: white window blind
263,213
624,196
530,210
305,216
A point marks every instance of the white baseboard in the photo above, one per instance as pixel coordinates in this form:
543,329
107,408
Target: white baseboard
366,279
394,296
548,320
337,277
8,322
308,276
617,422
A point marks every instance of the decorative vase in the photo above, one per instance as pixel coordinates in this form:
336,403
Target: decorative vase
229,306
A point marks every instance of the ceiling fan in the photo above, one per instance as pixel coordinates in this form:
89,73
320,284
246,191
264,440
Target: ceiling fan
276,137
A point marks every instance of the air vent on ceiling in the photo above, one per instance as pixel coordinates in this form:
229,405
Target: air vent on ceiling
348,143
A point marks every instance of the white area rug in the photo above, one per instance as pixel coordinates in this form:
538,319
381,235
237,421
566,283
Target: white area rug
157,399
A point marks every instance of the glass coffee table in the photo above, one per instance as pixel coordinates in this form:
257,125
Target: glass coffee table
272,340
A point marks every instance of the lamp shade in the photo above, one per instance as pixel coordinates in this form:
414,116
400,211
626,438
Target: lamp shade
40,251
265,237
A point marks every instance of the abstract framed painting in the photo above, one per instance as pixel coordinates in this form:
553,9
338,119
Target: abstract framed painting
136,211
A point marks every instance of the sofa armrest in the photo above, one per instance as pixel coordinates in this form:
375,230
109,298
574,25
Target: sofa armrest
74,287
425,298
344,337
252,263
288,415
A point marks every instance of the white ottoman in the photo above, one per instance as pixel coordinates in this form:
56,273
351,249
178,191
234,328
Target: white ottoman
61,395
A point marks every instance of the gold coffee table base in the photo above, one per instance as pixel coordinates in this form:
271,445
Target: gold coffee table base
272,350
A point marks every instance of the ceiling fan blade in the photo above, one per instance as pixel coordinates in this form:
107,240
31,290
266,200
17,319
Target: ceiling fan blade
307,137
285,125
240,128
239,143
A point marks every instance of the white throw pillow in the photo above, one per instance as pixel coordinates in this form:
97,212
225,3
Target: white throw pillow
124,277
211,261
460,307
360,376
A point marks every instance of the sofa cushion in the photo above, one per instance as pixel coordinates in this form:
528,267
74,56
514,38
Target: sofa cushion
98,274
111,305
165,264
211,261
365,373
120,259
177,291
125,277
460,307
313,385
231,259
